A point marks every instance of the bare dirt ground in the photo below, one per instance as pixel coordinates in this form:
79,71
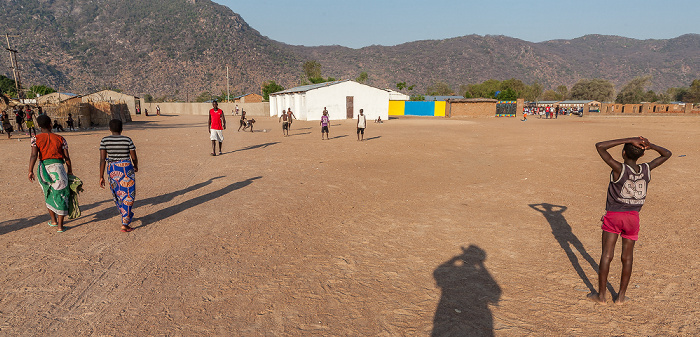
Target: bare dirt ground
431,226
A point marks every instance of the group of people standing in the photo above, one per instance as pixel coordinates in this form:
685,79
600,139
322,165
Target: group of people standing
55,171
25,117
361,124
217,124
551,112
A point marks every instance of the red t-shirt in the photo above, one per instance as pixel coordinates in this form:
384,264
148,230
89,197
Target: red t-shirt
216,119
50,145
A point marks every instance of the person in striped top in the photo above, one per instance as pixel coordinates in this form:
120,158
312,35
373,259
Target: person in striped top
118,156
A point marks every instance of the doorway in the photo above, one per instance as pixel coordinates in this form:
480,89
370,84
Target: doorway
349,106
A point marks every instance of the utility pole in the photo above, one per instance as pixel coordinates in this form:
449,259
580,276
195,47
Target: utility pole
13,65
228,92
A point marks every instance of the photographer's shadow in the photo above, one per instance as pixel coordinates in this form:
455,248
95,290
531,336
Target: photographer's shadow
467,290
567,239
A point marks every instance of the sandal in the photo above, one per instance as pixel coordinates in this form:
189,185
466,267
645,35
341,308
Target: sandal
52,225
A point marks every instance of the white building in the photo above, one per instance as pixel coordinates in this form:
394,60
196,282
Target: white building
342,99
397,96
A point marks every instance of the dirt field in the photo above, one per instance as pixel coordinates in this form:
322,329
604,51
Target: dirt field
431,226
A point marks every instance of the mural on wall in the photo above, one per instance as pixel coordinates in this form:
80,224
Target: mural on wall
506,108
417,108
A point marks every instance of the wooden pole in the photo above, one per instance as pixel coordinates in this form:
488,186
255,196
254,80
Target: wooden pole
13,64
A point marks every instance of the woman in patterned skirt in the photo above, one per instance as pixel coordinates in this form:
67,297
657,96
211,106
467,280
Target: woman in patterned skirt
118,156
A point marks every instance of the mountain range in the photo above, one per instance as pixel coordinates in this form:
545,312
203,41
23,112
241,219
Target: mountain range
180,48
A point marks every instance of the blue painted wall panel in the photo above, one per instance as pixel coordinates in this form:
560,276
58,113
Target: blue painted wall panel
418,108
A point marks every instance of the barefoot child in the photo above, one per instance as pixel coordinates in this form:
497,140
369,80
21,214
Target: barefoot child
52,152
249,124
285,124
118,155
243,120
626,193
361,125
325,124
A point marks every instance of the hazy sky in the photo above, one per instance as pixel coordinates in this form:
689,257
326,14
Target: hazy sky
362,23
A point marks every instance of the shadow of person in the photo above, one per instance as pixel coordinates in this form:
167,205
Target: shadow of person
467,289
567,239
187,204
17,224
109,212
253,147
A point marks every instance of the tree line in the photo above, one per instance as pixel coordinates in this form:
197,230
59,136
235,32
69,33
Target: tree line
596,89
8,88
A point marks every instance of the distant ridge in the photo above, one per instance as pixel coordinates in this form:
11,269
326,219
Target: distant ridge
181,48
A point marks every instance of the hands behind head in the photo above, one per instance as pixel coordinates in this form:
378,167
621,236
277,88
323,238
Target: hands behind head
641,143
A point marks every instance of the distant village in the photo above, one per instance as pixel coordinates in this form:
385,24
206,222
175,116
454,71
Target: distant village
342,99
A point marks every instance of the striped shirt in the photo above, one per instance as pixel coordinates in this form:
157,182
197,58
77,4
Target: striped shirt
117,147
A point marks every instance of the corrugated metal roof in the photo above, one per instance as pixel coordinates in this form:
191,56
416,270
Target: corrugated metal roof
441,98
305,88
472,100
577,102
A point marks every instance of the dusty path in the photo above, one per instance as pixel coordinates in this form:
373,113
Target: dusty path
449,227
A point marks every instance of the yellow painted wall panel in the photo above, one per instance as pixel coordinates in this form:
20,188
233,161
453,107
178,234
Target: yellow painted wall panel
440,108
397,108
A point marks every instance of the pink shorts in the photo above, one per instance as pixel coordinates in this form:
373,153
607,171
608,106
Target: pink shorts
624,223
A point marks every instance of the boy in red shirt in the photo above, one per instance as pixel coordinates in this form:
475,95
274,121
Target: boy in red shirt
217,123
626,194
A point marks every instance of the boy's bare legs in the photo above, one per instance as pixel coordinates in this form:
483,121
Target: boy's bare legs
627,259
608,243
213,148
220,144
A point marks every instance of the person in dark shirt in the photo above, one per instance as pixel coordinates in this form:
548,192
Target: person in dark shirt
627,191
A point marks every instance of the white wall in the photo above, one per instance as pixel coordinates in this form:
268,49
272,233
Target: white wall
178,108
309,106
375,102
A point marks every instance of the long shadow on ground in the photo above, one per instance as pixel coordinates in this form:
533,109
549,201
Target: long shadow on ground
253,147
467,290
165,213
175,209
566,238
17,224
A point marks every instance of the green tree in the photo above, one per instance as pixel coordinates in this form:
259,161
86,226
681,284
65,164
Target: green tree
7,86
362,78
403,85
634,92
439,89
517,86
596,89
417,98
508,94
487,89
693,95
312,70
562,92
532,92
549,95
39,90
269,88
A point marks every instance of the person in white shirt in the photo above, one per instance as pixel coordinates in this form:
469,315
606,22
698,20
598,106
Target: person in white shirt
361,125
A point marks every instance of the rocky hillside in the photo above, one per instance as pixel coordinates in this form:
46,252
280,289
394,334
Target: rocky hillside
180,48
